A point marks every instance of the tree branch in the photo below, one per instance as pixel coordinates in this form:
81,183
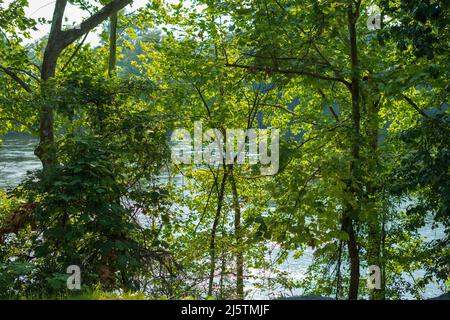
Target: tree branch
16,78
299,72
28,73
58,15
203,99
415,106
75,52
69,36
336,117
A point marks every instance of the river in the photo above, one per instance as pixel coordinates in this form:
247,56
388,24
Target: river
17,158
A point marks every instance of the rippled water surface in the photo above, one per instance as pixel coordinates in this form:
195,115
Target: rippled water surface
17,158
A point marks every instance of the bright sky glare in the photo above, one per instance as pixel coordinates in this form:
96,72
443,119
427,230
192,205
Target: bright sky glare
44,9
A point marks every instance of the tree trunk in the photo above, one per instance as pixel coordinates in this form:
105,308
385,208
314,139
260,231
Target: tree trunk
212,244
338,271
238,237
353,252
59,40
374,244
352,212
112,45
46,150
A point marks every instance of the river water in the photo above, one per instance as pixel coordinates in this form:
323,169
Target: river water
17,158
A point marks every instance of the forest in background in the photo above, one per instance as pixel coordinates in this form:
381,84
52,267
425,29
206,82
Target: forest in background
364,148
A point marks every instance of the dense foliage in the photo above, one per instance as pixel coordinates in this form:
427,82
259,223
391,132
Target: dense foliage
364,149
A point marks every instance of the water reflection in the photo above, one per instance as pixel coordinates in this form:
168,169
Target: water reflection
16,159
